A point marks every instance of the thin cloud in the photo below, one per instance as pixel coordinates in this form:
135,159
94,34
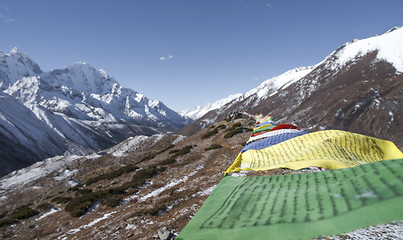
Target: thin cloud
6,19
268,5
3,17
4,8
166,58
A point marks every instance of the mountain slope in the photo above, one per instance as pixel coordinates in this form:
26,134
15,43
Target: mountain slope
179,183
358,88
22,134
84,109
14,66
219,110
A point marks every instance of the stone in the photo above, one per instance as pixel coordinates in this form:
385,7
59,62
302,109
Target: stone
164,233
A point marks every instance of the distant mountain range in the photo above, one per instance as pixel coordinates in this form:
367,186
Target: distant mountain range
77,109
358,88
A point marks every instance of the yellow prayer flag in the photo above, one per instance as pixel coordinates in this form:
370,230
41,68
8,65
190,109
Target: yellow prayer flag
330,149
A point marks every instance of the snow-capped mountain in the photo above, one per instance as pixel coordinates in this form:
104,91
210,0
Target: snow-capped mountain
77,109
263,91
358,87
209,113
14,66
198,111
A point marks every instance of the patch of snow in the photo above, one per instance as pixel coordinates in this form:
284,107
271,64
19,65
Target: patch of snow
134,143
131,143
239,174
167,186
92,156
73,183
392,230
178,139
206,191
391,118
93,207
377,103
26,175
53,210
130,227
181,189
356,106
65,174
128,199
92,223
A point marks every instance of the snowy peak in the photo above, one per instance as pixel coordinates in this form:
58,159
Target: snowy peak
82,77
388,47
199,111
14,66
258,94
272,85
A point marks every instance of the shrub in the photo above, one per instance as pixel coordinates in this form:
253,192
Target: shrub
209,133
113,174
83,191
7,221
80,205
23,212
112,200
141,176
168,161
236,125
77,210
235,129
59,199
3,214
166,149
233,132
213,146
150,156
182,151
222,126
44,206
173,151
147,157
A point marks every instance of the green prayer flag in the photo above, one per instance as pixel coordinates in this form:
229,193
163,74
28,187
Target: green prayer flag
301,206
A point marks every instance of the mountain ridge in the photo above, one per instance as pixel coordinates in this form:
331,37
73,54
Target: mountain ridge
371,65
86,109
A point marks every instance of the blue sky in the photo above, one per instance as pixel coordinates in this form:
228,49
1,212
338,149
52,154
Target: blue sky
189,52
